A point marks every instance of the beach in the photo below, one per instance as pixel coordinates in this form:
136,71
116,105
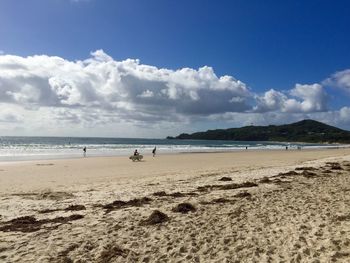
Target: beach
243,206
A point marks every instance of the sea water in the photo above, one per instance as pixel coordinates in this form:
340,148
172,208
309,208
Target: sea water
33,148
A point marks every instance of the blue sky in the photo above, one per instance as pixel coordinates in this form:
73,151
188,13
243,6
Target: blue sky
267,45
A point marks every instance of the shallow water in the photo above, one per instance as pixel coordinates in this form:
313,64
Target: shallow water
32,148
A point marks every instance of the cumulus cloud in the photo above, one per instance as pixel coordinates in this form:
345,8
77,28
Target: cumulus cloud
47,91
340,79
301,99
123,87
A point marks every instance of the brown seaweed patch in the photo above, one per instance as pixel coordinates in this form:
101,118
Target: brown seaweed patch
46,211
226,186
160,193
306,169
308,174
236,186
221,200
265,180
224,179
243,195
75,208
156,217
184,208
342,218
338,254
44,164
334,165
118,204
175,195
290,173
69,208
31,224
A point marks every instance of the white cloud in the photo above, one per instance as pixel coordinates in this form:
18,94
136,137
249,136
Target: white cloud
120,86
301,99
340,79
102,90
47,95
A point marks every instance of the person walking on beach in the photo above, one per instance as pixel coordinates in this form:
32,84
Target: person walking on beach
84,151
154,151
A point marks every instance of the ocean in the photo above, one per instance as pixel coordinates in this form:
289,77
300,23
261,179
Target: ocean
36,148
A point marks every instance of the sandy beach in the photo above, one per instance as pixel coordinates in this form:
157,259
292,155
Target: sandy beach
244,206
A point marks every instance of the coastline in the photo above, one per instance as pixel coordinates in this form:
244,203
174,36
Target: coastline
233,220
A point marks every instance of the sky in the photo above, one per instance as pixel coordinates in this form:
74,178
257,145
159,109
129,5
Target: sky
134,68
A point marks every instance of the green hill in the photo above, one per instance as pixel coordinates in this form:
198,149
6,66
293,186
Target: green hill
303,131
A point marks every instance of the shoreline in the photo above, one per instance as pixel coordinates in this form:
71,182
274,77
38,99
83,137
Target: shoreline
149,155
12,159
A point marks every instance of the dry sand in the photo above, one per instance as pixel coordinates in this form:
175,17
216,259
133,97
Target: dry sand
250,206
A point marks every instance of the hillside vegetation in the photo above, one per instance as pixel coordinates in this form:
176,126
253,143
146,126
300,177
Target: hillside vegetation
303,131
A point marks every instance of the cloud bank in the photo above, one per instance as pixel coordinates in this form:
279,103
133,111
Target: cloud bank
44,92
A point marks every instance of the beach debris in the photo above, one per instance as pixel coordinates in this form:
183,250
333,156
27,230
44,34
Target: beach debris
225,179
75,208
22,224
339,254
243,194
306,169
31,224
46,211
265,180
334,165
308,174
342,217
226,186
176,194
69,208
160,193
156,217
184,208
236,186
221,200
290,173
118,204
44,164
